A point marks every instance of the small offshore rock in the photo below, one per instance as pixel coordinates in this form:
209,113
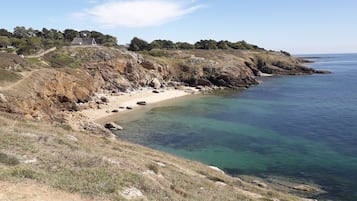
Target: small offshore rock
129,108
155,91
115,110
113,126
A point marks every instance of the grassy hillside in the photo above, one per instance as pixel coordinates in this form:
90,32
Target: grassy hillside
99,168
44,153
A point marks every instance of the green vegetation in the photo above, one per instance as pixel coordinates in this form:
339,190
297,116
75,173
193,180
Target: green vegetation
8,160
138,44
102,169
59,60
8,76
28,41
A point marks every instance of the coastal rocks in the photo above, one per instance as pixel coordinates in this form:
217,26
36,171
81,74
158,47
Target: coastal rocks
98,129
259,183
155,91
104,99
131,193
216,169
155,83
2,98
306,188
113,126
141,103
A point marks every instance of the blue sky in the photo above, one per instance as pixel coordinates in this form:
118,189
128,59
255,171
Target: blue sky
297,26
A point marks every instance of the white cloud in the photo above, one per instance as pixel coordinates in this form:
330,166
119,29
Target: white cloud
137,13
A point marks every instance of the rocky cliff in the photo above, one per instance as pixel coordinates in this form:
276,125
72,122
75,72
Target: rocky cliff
68,77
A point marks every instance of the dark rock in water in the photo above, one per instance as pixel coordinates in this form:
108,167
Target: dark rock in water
155,92
115,110
129,108
104,99
322,72
113,126
121,107
141,102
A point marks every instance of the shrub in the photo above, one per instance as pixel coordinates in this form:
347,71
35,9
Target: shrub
8,160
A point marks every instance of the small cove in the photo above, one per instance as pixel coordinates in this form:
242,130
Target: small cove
292,126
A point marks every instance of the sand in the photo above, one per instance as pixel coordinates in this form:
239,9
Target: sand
120,102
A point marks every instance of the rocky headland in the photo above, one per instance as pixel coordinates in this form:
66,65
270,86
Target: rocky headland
68,79
62,92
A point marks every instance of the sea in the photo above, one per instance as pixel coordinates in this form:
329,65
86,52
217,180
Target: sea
301,127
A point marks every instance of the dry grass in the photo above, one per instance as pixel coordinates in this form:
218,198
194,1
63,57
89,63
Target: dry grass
99,168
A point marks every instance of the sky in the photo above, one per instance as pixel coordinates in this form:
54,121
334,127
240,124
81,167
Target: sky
296,26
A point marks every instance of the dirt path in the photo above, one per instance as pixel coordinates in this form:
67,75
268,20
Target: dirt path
28,191
25,76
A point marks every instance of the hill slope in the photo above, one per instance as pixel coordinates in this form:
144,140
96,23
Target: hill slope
44,153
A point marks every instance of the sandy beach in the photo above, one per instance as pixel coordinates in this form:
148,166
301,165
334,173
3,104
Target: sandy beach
120,102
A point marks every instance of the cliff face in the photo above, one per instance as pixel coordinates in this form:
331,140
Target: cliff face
73,75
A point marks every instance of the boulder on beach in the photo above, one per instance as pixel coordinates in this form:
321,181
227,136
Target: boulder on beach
155,91
115,110
141,102
155,83
129,108
104,99
113,126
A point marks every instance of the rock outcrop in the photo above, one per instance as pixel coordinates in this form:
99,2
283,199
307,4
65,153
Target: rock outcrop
49,92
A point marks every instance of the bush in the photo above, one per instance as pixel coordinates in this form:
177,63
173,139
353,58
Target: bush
8,160
58,60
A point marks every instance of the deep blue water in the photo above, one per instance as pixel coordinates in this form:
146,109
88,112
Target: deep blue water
292,126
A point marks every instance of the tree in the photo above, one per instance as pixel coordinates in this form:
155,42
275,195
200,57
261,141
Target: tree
223,45
206,44
70,34
20,32
34,42
4,32
85,34
163,44
110,41
99,37
138,44
184,46
4,41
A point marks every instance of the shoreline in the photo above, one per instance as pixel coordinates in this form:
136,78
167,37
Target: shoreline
118,104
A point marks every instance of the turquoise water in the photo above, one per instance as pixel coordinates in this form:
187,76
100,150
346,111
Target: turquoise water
293,126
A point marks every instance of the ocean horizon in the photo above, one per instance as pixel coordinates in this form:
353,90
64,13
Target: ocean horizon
298,127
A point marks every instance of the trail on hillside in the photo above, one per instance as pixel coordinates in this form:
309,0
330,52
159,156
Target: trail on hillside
28,191
25,76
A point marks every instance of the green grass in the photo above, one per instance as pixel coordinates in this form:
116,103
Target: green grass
60,60
8,76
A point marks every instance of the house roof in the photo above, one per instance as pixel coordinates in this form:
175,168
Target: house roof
84,41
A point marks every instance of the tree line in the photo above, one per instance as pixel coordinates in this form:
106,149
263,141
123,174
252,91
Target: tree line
138,44
29,40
